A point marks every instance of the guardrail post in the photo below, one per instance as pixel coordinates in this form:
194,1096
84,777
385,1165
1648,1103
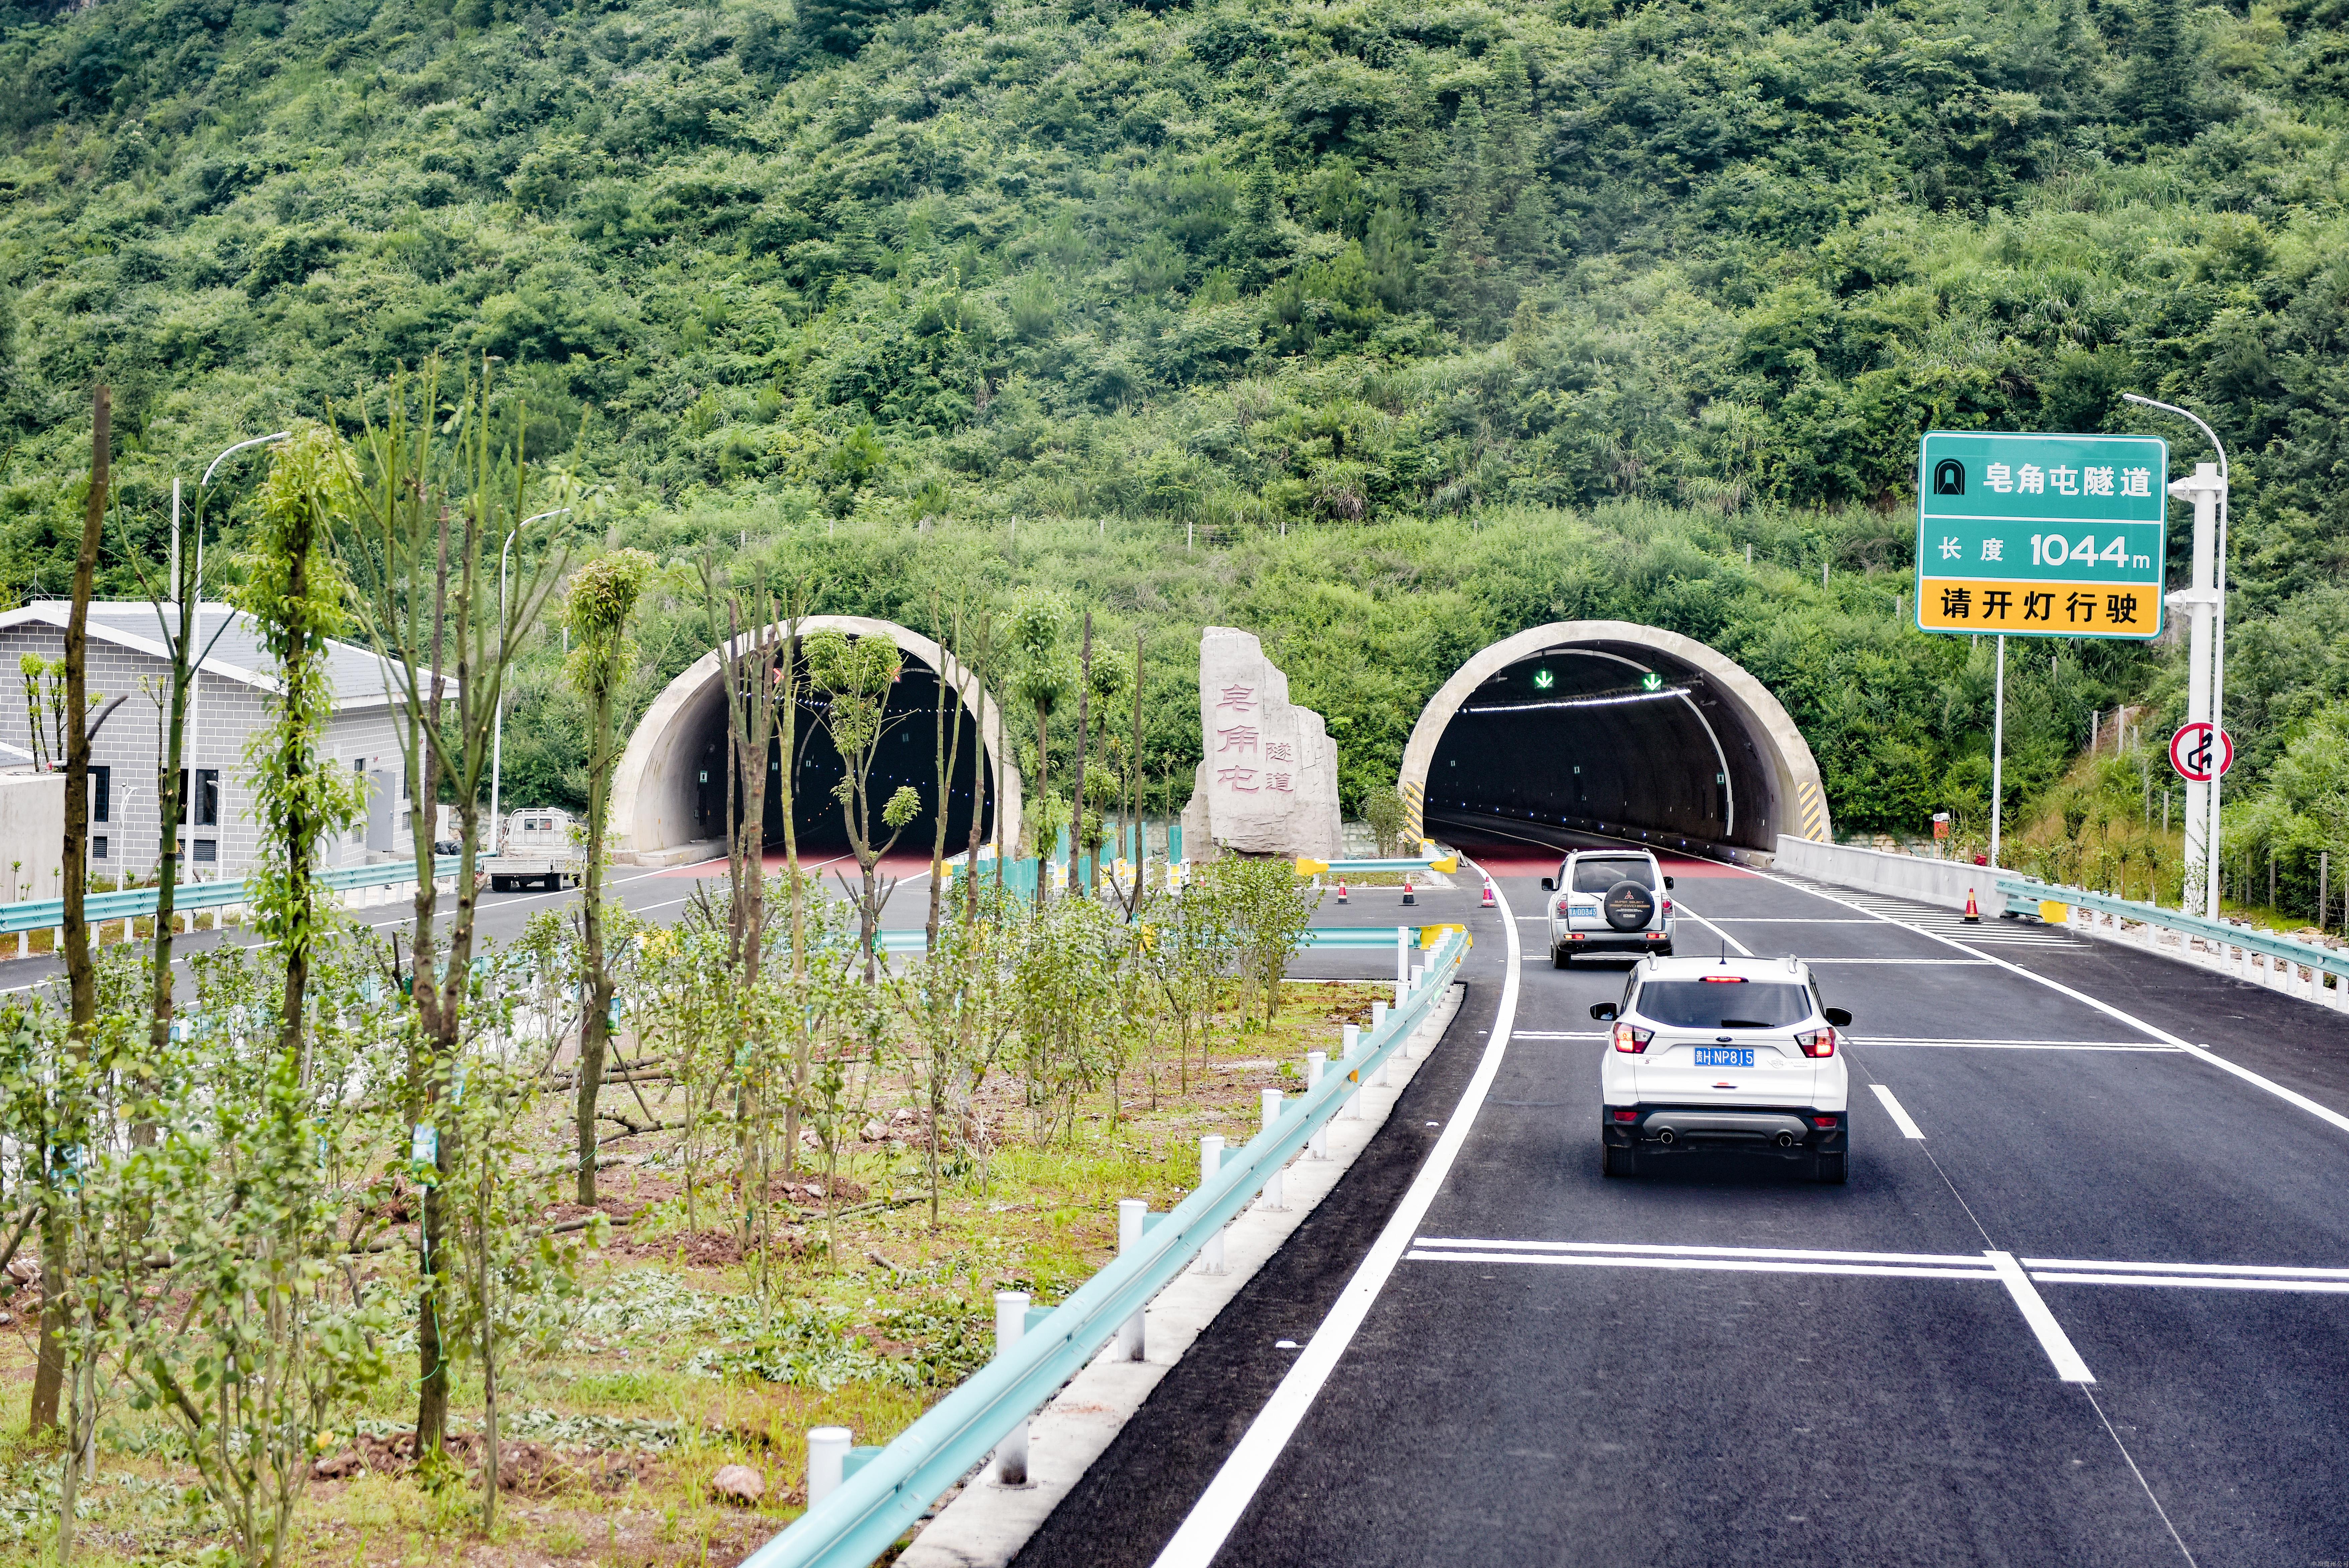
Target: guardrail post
1274,1193
827,1451
1130,1212
1211,1160
1352,1050
1010,1324
1318,1146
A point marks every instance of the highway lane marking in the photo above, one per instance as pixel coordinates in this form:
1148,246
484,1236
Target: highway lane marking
2248,1271
2203,1053
1743,951
2128,1045
1213,1518
1900,1117
2034,1306
1790,920
1634,1250
1816,963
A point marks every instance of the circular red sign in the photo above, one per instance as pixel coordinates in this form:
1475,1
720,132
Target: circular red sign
2189,753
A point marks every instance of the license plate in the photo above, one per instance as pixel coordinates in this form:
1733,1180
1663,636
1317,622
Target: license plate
1725,1056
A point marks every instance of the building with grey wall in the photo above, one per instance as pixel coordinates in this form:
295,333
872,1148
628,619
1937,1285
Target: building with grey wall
128,658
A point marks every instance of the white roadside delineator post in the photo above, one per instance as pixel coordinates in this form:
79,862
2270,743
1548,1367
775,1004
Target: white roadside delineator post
1350,1055
1402,965
1010,1325
1211,1160
1130,1212
1379,1022
827,1454
1274,1195
1317,1147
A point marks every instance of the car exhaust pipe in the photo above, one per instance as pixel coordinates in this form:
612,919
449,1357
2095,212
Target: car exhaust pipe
1667,1136
1785,1140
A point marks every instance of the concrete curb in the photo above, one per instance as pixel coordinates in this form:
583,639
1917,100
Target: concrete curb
984,1525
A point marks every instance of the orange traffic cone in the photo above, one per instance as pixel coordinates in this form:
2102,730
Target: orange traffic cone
1407,898
1973,915
1341,893
1488,893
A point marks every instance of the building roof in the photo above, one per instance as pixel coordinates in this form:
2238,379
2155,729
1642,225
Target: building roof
360,678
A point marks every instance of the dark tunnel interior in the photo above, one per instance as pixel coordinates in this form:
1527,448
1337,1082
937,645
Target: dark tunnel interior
1610,741
908,755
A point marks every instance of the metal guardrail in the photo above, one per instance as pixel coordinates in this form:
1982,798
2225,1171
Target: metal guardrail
1422,938
890,1489
2025,895
139,902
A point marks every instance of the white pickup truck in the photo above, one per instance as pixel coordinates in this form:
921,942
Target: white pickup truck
538,849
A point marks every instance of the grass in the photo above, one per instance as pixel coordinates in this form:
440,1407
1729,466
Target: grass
670,1371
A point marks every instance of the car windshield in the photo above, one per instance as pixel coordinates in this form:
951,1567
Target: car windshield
1716,1004
1598,876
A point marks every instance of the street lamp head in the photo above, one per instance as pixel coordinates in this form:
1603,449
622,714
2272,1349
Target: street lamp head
258,440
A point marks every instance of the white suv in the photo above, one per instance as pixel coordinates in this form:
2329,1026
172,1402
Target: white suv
1608,901
1727,1053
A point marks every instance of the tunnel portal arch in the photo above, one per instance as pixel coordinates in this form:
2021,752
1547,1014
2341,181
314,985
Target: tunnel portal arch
1615,728
659,796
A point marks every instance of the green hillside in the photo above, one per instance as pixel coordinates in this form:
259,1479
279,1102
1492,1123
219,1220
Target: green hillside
1539,306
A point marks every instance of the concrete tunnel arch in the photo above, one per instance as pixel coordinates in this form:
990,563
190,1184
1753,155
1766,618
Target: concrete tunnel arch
1614,728
658,806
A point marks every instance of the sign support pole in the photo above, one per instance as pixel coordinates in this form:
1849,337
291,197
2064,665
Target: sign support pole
1997,751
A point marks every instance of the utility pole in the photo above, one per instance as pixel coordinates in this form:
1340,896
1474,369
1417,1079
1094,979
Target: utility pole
2204,600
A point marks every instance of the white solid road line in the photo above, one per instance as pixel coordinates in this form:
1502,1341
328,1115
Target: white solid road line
2264,1271
2202,1053
1743,951
1900,1118
1840,963
1210,1520
1801,1254
2051,1338
1708,1265
2198,1282
2019,1044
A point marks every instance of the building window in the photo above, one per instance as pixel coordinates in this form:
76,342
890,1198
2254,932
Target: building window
207,797
207,852
98,848
101,797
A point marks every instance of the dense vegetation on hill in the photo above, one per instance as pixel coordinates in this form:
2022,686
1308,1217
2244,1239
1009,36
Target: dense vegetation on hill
1329,285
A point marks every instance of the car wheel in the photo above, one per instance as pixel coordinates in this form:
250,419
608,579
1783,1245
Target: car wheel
1620,1161
1831,1169
1559,957
497,884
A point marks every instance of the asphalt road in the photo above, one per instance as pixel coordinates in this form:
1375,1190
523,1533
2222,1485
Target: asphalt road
1537,1377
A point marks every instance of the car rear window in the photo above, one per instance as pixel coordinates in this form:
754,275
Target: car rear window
1598,876
1718,1005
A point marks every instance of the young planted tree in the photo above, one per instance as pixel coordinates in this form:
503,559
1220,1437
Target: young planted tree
947,751
1042,677
851,677
420,530
50,1367
603,598
1272,911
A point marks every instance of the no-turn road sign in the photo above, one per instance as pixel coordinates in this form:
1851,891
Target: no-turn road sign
2189,753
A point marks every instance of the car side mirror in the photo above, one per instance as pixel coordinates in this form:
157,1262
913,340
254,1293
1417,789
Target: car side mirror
1549,884
1836,1016
1603,1011
1668,884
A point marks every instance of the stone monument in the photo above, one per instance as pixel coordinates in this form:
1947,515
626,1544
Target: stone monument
1268,780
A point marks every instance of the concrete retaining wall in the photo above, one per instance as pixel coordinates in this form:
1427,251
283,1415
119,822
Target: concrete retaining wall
1944,883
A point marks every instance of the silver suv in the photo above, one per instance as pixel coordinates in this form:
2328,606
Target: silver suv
1608,901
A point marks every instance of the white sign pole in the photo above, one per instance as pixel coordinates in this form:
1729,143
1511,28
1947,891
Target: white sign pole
1997,750
2205,600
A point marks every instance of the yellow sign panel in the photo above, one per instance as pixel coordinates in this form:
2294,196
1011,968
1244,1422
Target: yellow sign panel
1988,605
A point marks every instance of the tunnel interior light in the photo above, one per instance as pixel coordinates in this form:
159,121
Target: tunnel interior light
1544,680
1651,681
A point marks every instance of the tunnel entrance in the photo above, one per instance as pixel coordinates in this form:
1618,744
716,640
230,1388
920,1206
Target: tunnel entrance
1611,727
669,793
907,755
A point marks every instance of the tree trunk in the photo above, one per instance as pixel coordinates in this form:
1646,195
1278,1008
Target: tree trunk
1077,785
81,975
595,1028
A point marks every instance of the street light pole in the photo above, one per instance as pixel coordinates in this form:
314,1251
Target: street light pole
498,723
194,631
2204,601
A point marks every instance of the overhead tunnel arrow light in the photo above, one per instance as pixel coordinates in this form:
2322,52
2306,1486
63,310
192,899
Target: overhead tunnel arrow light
1651,681
1544,680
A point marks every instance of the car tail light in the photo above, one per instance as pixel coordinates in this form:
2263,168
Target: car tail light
1816,1042
1827,1121
1724,979
1631,1039
1668,906
1627,1116
1563,908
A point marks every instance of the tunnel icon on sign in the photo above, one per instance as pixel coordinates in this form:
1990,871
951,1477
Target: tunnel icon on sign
1950,477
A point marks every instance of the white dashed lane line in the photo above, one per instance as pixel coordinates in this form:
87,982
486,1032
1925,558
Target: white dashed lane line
1900,1118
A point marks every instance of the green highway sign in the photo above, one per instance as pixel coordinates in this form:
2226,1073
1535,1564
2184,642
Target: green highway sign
2041,535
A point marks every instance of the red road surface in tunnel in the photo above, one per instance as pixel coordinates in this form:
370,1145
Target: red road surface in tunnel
1507,857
